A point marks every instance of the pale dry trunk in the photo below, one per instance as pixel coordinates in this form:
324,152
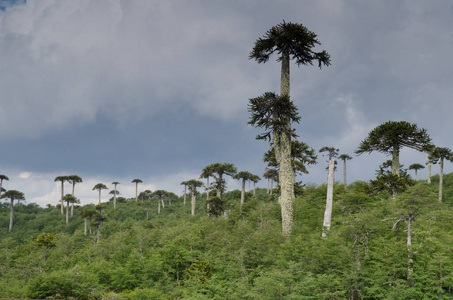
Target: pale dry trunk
62,203
249,185
243,192
415,177
254,188
158,206
272,186
282,147
72,204
219,187
1,186
344,174
114,199
193,202
396,161
185,193
428,180
207,194
11,215
441,178
136,192
163,203
268,185
410,261
85,227
67,212
329,199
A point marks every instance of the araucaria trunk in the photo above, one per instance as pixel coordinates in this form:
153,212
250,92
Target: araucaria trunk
329,199
243,191
282,147
62,203
344,174
396,161
193,201
428,180
441,178
11,215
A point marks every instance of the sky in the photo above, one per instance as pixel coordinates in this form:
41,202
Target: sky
113,90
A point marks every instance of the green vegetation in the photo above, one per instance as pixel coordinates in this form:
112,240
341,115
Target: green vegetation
378,247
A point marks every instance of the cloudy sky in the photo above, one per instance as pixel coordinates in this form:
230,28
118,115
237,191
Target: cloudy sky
113,90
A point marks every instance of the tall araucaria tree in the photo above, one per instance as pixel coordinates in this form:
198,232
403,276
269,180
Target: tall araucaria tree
74,179
391,136
12,195
330,181
416,167
69,199
99,187
2,177
62,179
136,181
244,176
439,155
344,158
289,41
193,184
115,183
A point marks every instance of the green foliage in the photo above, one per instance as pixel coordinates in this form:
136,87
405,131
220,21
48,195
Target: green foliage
292,39
45,240
272,112
242,256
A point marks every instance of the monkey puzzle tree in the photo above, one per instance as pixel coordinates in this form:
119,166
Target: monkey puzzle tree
69,199
330,181
440,154
193,184
243,175
271,175
219,170
185,191
115,183
12,195
290,41
416,167
391,136
88,214
206,173
136,181
160,195
99,187
74,179
62,179
301,155
255,179
344,158
2,177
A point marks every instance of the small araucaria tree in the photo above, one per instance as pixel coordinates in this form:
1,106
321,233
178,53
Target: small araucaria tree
244,176
206,173
439,155
62,179
136,181
12,195
68,198
219,170
185,191
391,136
416,167
344,158
115,183
99,187
193,184
74,179
289,41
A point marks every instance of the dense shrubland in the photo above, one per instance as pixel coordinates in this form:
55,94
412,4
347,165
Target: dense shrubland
173,255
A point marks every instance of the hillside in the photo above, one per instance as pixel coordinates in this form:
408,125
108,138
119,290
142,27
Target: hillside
141,254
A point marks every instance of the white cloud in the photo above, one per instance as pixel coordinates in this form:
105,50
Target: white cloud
25,175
